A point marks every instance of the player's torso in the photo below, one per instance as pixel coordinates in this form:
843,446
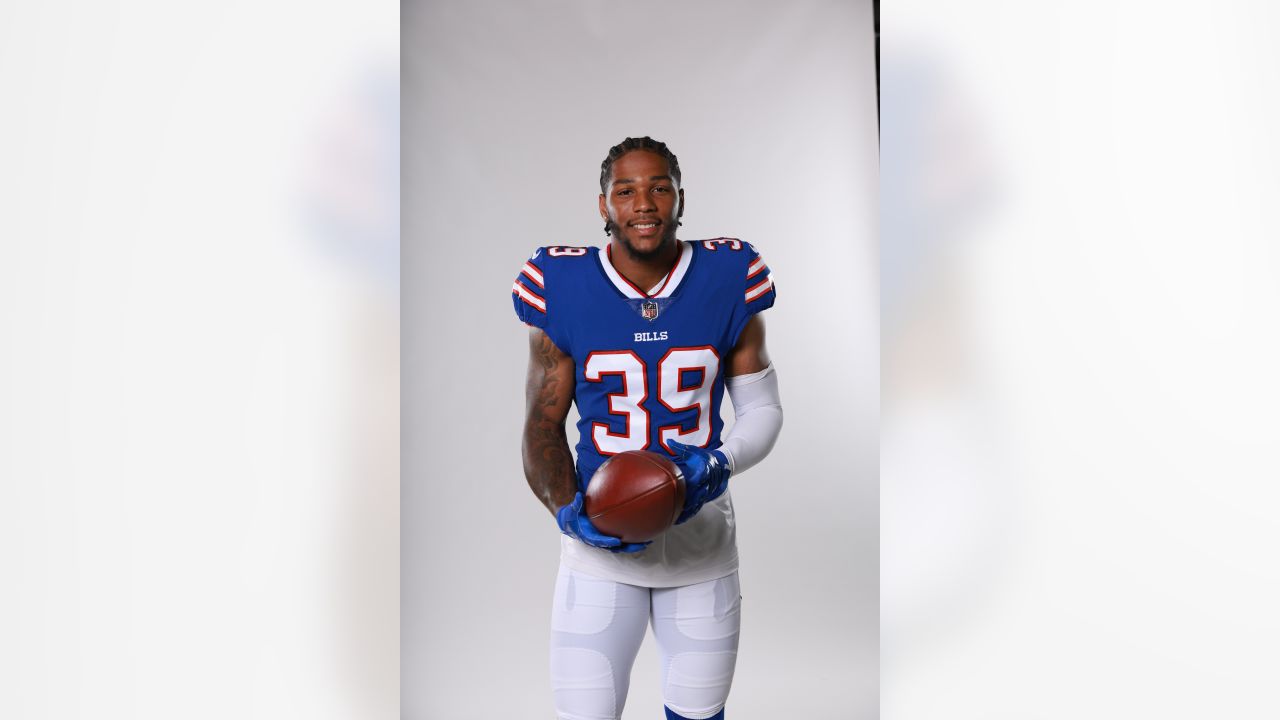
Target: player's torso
648,369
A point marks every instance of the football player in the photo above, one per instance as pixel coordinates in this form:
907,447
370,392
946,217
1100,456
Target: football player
646,336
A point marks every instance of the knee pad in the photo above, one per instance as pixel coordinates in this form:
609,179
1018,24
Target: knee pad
698,683
583,684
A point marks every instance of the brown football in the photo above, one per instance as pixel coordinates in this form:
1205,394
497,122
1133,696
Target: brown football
635,495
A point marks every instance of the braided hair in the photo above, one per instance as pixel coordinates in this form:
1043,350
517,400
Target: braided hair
644,143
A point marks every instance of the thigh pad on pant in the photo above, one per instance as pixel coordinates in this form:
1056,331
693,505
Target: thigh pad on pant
596,629
697,631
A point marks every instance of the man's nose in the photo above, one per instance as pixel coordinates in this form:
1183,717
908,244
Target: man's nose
645,202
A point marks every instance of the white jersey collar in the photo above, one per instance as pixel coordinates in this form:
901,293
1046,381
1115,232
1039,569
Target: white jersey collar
663,289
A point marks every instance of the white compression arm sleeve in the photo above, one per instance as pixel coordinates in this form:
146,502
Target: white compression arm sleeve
758,409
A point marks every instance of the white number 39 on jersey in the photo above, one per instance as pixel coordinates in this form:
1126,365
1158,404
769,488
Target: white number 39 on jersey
685,378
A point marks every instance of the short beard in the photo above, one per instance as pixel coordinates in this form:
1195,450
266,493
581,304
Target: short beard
668,240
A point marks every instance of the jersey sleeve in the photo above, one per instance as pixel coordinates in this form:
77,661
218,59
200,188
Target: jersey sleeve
529,292
758,292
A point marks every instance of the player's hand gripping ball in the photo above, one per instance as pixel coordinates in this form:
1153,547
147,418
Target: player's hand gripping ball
635,496
706,475
574,523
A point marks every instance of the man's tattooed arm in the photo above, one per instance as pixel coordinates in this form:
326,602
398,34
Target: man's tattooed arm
548,465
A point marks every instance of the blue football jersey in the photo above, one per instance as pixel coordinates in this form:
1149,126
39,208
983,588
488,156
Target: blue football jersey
649,364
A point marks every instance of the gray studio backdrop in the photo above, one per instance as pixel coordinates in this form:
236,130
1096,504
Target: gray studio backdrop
509,109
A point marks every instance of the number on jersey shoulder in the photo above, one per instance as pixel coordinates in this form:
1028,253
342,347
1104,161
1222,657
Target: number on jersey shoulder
566,251
717,243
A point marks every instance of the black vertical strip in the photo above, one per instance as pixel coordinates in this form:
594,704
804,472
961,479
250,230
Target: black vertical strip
875,9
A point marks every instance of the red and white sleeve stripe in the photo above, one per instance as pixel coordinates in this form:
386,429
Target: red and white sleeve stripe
759,289
759,279
528,296
533,273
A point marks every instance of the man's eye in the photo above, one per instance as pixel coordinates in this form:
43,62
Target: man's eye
624,192
660,188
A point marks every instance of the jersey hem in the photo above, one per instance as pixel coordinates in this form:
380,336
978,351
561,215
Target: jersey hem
714,572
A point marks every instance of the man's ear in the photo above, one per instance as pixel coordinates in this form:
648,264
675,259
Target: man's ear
604,212
680,212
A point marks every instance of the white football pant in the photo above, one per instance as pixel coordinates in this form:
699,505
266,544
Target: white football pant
596,629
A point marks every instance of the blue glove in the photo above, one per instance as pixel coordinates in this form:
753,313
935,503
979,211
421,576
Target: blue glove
574,523
706,476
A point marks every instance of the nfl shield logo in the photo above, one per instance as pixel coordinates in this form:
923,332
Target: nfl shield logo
649,310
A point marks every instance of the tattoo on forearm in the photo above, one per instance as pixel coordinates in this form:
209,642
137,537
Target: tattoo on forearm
548,464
